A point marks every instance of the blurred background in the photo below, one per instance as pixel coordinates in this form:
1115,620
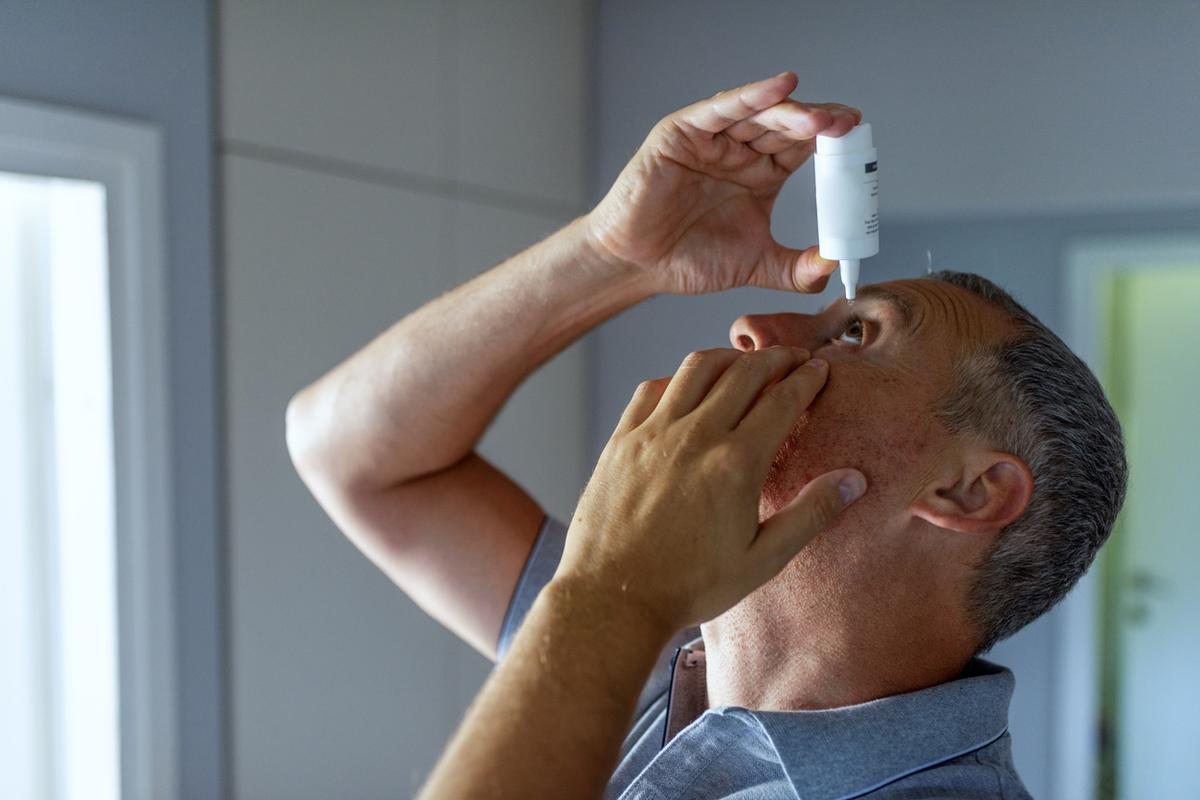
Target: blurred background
204,206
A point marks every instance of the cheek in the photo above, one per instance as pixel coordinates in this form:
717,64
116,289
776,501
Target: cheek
879,434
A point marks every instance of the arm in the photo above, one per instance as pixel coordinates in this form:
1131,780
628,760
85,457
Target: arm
678,483
386,440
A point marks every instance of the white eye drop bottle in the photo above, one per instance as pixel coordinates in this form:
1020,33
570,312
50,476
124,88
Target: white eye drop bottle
847,170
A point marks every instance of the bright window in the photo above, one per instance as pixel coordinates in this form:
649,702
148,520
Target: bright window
59,728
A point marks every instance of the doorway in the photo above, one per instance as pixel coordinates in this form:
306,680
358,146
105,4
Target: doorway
1150,634
1137,321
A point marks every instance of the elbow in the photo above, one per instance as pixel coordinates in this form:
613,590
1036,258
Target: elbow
317,448
301,434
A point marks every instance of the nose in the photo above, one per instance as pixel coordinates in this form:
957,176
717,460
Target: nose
756,331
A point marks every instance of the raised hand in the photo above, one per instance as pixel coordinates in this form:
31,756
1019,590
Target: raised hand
668,524
693,205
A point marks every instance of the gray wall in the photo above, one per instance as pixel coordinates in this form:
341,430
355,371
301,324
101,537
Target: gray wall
372,157
150,62
1002,136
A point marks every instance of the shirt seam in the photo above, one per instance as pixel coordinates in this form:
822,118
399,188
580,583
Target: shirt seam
909,773
703,769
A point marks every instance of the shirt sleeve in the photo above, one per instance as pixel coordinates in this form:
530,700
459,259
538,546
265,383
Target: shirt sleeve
538,570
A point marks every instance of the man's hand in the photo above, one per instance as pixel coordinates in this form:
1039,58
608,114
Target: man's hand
668,526
666,535
693,206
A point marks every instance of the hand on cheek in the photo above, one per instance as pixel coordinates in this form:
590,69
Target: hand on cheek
669,524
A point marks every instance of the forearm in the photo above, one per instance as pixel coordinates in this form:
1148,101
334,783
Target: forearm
418,398
550,720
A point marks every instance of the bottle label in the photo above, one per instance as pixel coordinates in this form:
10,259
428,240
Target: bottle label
847,197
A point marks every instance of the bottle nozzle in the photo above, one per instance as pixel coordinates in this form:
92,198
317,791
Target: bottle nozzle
849,273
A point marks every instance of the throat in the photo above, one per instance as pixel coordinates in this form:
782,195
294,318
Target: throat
777,659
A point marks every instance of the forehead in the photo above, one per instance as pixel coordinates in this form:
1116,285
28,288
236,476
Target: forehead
929,308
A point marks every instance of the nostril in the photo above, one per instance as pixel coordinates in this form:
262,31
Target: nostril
744,342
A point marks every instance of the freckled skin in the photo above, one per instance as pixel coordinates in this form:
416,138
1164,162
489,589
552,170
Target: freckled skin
877,599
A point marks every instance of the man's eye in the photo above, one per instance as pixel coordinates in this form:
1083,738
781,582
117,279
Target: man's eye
853,333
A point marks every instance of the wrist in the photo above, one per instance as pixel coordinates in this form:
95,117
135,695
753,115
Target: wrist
609,614
599,259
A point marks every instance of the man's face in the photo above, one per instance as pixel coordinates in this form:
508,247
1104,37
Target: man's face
891,356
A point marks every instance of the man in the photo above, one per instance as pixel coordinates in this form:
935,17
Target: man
992,465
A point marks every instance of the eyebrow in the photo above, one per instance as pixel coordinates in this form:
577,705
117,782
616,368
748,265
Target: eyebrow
902,304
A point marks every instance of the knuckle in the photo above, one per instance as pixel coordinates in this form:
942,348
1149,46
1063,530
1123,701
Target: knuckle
669,127
702,358
652,385
811,284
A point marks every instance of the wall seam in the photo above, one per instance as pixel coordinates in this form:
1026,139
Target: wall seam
398,179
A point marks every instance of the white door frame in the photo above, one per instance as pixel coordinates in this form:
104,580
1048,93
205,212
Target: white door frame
1090,262
126,158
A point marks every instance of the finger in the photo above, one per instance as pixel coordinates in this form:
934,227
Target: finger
841,125
645,399
694,378
736,390
796,120
790,117
793,270
726,108
771,142
811,511
747,130
795,156
779,406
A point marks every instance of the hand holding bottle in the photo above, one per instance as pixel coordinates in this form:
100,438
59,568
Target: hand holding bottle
693,205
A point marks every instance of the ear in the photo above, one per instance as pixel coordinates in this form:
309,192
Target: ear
982,493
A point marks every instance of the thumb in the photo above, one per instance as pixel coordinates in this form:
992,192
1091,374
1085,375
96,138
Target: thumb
801,270
786,533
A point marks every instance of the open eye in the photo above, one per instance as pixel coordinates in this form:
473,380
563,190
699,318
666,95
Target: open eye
853,333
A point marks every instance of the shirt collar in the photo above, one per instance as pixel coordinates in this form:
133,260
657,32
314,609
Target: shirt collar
841,753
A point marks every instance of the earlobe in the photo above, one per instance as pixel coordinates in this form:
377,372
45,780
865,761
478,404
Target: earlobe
989,491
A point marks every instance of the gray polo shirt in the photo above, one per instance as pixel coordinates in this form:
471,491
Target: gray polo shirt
947,741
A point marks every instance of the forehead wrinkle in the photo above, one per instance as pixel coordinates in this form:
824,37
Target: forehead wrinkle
950,304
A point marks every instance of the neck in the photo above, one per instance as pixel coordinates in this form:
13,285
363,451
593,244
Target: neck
782,650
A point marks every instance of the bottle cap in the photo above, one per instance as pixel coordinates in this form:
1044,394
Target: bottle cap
856,139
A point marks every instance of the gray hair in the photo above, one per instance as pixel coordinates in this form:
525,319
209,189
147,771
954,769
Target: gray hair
1032,397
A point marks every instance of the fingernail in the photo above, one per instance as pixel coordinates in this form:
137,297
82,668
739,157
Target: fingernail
816,363
851,487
